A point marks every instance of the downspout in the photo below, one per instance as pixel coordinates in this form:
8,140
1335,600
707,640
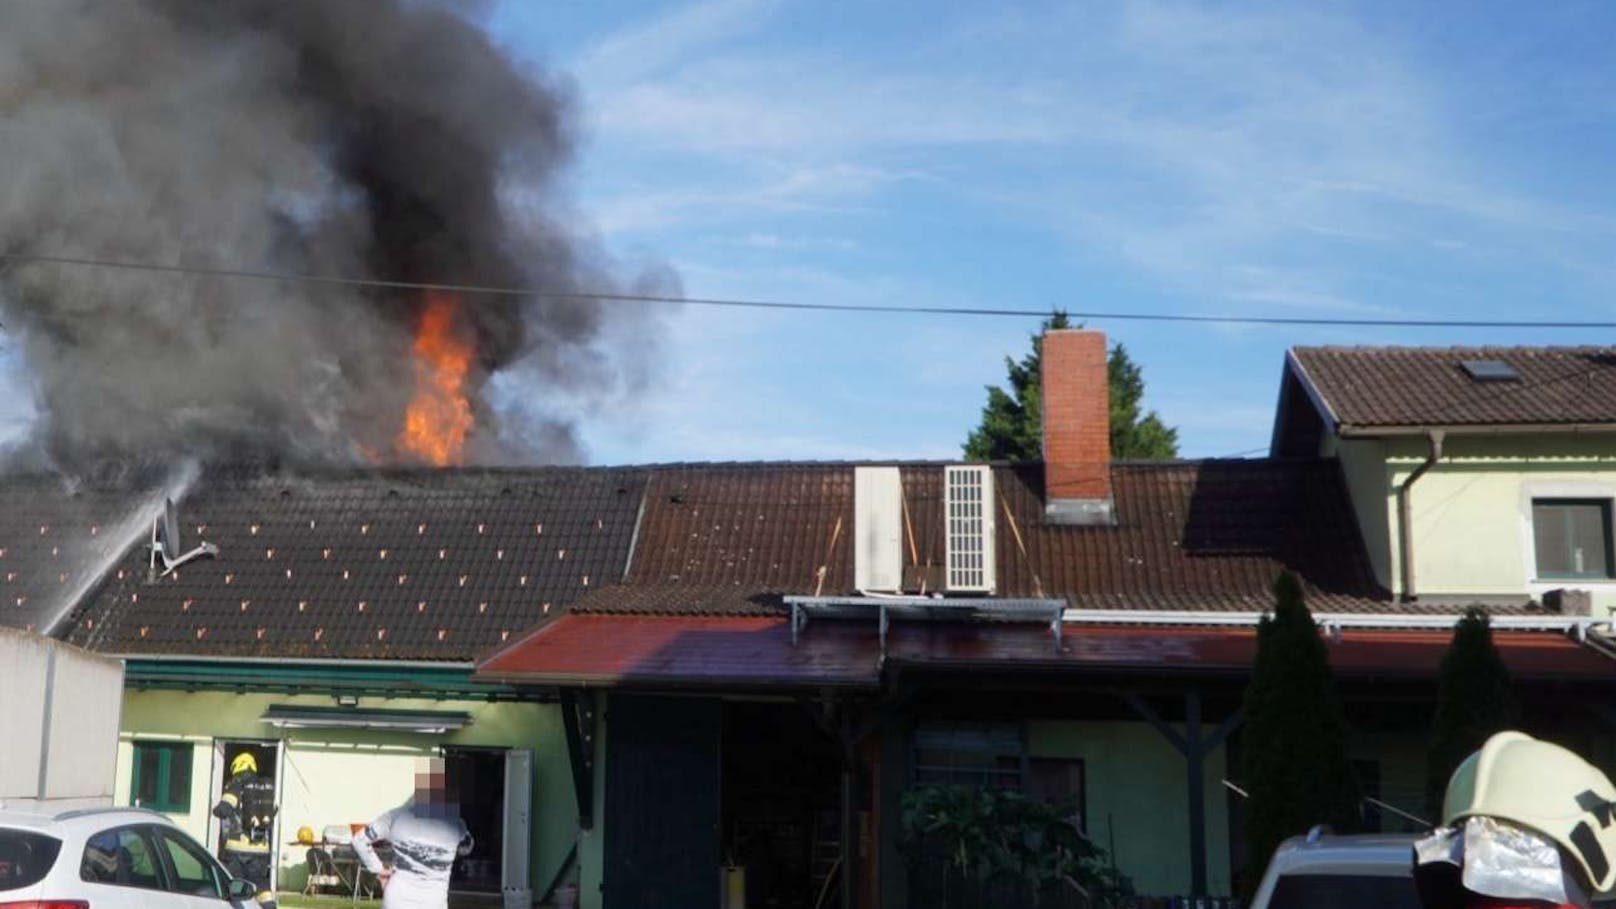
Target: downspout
1405,520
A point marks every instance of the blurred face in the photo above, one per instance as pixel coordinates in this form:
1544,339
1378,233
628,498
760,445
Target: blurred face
429,782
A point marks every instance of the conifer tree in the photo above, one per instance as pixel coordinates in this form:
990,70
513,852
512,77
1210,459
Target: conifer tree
1295,735
1473,701
1012,421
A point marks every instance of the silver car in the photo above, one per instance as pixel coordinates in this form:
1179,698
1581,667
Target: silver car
123,858
1323,871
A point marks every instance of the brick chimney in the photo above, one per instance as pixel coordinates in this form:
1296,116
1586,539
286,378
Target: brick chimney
1076,399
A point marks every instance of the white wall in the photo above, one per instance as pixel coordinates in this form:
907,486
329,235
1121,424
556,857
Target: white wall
336,776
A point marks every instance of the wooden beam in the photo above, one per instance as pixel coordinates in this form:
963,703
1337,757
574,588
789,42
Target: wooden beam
583,776
1154,719
1222,733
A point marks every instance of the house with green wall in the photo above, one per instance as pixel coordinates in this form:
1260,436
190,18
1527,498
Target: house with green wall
1478,475
795,646
676,682
329,628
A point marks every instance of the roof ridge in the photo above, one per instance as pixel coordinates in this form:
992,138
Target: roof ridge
1450,348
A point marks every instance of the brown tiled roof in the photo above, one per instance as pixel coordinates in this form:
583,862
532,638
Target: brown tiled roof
1195,535
435,565
762,526
732,539
1420,386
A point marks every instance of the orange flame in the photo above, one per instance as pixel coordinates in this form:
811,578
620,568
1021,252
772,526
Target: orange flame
439,416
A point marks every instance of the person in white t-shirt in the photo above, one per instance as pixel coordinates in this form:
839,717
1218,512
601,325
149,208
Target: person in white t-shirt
426,837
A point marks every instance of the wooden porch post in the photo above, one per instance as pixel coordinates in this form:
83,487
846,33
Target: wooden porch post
1194,758
849,813
1195,750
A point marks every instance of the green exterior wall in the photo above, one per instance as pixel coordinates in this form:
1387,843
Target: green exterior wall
1138,800
1472,516
1400,758
1363,467
332,776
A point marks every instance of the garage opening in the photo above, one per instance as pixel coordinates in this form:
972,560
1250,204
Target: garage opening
475,778
243,828
780,805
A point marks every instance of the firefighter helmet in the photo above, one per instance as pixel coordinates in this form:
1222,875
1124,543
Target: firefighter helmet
244,761
1543,787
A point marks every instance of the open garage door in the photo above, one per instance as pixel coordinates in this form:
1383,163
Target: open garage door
661,819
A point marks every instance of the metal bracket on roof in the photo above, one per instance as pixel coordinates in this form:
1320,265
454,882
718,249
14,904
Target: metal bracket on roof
799,621
933,609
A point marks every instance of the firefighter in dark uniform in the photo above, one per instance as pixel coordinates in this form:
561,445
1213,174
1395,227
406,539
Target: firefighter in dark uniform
247,813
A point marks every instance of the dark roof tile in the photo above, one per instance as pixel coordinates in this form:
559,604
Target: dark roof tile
400,565
1419,386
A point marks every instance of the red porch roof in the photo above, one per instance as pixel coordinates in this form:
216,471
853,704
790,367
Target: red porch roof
710,651
756,651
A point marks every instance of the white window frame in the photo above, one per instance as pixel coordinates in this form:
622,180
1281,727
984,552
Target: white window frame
1558,489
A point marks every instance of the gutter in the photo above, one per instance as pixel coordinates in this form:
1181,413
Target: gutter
1405,520
1358,431
284,661
382,679
702,683
1575,625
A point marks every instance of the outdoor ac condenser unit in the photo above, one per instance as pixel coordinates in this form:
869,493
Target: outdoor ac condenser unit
877,529
969,528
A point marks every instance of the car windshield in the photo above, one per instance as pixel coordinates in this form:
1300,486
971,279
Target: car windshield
1344,891
25,857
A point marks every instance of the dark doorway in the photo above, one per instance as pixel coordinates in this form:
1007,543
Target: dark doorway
661,811
475,778
246,843
265,758
781,804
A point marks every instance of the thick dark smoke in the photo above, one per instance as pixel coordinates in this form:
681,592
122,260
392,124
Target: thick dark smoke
379,138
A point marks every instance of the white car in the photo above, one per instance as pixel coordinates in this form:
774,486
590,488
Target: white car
1323,871
112,858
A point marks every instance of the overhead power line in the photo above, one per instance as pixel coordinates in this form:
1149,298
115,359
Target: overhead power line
549,294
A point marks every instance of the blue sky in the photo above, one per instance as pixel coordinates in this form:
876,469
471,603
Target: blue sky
1380,160
1441,160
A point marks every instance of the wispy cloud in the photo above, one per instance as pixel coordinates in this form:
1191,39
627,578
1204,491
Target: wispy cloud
776,241
1256,158
647,48
1179,137
764,191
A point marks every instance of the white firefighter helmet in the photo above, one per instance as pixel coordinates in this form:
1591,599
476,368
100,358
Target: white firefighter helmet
1543,787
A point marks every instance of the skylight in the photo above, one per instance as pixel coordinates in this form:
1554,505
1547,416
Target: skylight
1490,370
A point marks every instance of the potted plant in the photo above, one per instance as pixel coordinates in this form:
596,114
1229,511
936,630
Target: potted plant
1000,847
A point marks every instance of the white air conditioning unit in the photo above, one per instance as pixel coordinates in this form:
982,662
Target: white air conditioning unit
877,529
968,516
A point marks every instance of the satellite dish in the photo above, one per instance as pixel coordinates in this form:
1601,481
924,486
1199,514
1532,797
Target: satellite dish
171,531
165,544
